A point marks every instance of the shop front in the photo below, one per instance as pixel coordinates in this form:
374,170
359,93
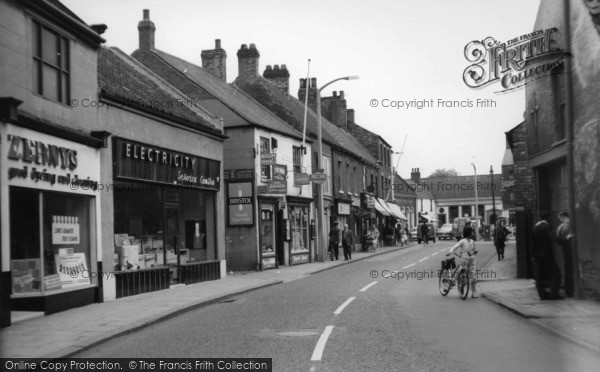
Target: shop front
301,230
164,217
49,213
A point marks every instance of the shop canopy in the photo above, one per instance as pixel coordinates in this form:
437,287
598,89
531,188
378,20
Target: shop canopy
428,218
397,212
380,208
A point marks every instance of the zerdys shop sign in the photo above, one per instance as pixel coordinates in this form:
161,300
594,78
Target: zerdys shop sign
143,162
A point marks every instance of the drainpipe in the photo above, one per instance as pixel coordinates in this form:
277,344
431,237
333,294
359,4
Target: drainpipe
570,136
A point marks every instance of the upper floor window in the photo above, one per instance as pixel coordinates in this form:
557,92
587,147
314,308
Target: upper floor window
265,170
297,153
51,70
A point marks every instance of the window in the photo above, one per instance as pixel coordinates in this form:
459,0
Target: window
50,63
348,183
297,154
562,122
339,178
354,180
327,170
265,170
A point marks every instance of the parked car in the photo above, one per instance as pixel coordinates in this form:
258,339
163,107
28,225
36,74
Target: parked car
458,226
431,235
445,232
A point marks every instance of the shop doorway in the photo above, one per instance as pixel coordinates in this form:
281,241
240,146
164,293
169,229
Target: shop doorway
280,239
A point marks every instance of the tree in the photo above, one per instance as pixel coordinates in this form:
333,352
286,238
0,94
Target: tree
444,173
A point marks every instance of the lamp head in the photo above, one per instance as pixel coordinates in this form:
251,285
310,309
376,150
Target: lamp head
353,77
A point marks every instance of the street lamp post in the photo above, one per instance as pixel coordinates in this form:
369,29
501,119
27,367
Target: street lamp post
320,208
493,217
476,199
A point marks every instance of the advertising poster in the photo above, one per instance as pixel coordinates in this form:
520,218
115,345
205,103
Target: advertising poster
72,269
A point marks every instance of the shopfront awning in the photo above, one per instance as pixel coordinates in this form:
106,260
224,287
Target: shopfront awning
380,208
397,212
361,213
428,218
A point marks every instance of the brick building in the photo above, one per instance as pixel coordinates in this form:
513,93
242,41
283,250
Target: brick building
253,132
556,151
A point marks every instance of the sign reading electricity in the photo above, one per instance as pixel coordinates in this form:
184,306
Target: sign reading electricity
138,161
318,177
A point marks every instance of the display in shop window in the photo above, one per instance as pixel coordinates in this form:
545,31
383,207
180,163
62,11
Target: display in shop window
26,275
65,230
71,268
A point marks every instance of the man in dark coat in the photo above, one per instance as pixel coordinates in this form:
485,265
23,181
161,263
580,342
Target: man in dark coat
500,239
425,233
543,256
334,241
347,242
564,236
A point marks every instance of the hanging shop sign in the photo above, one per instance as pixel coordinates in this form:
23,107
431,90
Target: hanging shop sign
268,159
318,178
279,172
143,162
277,187
343,209
370,202
301,179
37,160
238,174
240,200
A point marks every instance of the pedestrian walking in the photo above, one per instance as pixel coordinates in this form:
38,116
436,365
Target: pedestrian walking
545,266
334,241
500,239
425,233
347,242
564,234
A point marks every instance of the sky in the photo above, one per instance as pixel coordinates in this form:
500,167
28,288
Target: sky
402,50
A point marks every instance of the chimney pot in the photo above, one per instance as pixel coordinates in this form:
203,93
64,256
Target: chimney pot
146,14
146,30
217,43
252,46
276,67
244,46
268,68
313,82
283,67
335,93
341,94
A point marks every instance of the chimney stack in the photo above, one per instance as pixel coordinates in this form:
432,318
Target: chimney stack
248,60
350,115
334,109
312,93
214,60
415,175
278,76
146,30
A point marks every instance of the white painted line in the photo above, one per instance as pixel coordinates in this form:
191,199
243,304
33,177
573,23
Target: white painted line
318,352
343,306
434,254
423,259
412,264
368,286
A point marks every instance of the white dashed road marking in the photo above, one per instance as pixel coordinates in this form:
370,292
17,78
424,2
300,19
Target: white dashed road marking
423,259
342,306
368,286
406,267
320,347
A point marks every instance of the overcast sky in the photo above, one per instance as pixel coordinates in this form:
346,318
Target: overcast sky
402,50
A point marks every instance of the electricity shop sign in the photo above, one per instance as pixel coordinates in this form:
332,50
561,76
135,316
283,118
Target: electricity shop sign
143,162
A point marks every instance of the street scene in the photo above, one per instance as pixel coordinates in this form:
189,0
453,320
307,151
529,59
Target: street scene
308,186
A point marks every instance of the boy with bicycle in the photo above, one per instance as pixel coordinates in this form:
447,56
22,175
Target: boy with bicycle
466,246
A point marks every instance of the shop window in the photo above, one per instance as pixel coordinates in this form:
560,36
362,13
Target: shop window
51,73
265,170
51,239
154,224
300,228
327,171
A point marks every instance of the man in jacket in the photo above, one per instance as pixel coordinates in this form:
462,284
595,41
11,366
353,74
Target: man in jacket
500,235
347,242
543,256
334,241
564,236
425,233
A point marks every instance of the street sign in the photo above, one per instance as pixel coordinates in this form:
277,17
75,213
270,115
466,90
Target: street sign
277,187
319,177
268,159
301,179
370,202
280,172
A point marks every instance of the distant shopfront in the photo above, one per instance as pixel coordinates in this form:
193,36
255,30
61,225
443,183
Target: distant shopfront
50,208
164,217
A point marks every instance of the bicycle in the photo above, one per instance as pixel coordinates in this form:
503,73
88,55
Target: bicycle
458,277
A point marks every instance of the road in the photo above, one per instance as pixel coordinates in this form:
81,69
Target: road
375,321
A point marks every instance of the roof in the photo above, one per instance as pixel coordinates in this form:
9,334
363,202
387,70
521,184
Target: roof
462,187
421,189
402,188
291,110
236,100
367,138
127,82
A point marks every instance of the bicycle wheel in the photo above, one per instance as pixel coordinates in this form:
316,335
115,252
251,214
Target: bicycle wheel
444,281
463,284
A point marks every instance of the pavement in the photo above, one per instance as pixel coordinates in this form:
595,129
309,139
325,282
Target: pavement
573,319
70,332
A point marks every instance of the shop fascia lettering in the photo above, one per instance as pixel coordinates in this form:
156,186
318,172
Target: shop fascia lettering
37,152
154,155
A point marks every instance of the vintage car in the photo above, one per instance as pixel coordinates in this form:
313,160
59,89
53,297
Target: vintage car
445,232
